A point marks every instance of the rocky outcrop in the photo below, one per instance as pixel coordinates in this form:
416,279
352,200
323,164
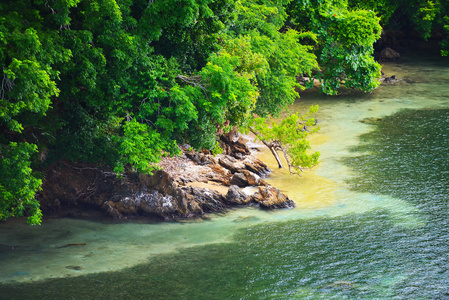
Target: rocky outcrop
270,197
228,163
234,145
246,178
167,194
69,185
257,167
235,196
388,54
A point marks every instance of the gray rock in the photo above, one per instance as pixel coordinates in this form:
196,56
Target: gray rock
155,203
202,200
239,179
236,196
258,167
226,162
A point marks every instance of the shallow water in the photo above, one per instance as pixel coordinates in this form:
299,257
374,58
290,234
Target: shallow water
370,222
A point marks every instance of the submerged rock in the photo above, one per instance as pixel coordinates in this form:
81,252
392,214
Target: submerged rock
371,121
246,219
391,80
74,268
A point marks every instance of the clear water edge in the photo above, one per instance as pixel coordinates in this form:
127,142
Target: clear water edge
323,195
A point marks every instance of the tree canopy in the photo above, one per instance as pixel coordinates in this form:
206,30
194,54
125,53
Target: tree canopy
427,18
124,82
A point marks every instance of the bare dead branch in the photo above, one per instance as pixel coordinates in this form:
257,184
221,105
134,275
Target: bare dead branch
128,116
112,174
7,85
272,146
193,80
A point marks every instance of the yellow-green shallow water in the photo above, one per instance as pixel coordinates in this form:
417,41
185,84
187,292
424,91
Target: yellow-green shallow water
370,221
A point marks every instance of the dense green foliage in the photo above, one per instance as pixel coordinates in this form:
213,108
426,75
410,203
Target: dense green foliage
425,17
344,42
123,82
17,192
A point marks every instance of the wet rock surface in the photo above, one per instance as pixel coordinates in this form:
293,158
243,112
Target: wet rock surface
390,79
168,194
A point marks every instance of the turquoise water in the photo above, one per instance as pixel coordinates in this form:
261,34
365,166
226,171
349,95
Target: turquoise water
371,220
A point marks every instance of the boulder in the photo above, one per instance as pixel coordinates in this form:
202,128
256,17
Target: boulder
226,162
206,199
236,196
388,54
239,179
219,174
234,145
270,197
252,178
257,166
240,147
391,79
155,196
154,203
185,202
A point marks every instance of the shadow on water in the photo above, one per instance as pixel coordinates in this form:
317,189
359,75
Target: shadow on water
365,255
353,257
406,157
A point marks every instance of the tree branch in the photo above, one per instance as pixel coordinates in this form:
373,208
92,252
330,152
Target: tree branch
7,85
193,80
271,146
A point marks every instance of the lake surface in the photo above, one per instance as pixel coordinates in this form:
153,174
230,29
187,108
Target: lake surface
371,221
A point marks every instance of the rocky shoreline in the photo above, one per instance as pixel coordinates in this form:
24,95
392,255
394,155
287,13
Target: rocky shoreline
188,186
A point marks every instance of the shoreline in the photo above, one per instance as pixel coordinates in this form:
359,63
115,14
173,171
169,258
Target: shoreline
187,187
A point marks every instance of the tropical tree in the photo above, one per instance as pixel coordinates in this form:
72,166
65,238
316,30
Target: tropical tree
123,82
289,136
28,53
344,43
430,19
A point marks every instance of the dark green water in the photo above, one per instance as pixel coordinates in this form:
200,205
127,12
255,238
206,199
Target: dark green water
369,254
353,257
356,256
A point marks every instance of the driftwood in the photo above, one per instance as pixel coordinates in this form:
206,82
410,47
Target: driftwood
73,244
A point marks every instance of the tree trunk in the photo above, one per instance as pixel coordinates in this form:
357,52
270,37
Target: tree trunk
275,154
271,147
